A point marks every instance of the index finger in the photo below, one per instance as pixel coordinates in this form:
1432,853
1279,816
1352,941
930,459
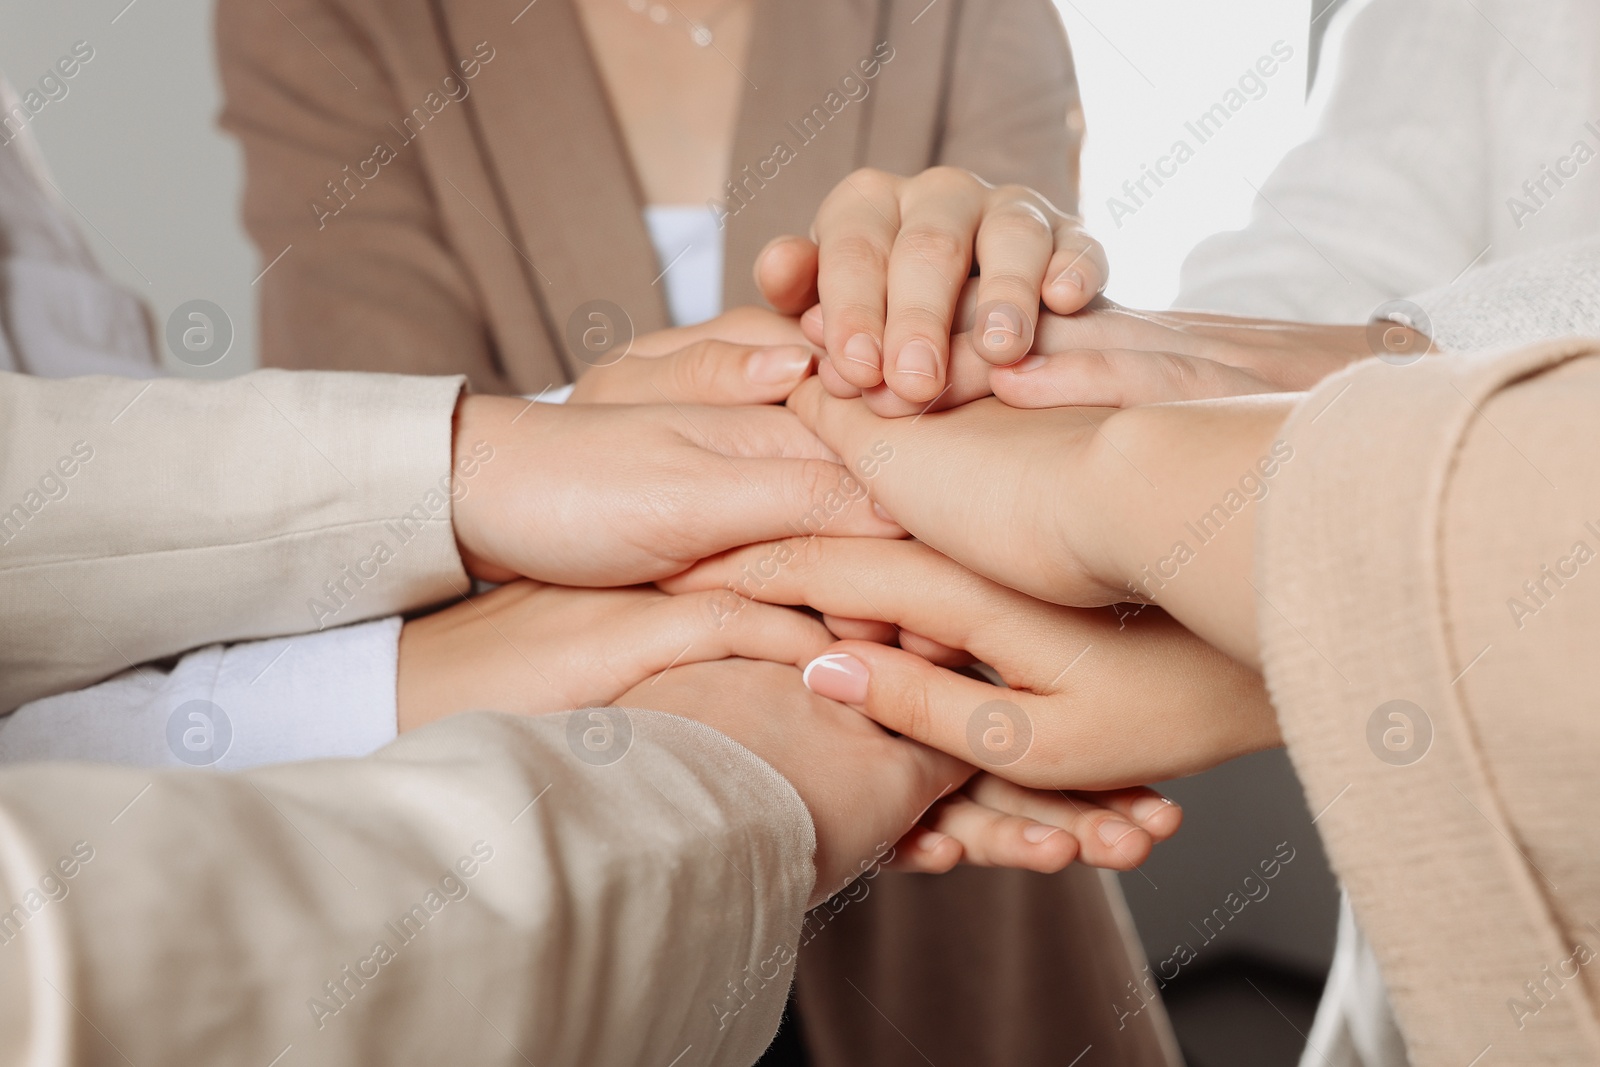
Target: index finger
904,583
856,228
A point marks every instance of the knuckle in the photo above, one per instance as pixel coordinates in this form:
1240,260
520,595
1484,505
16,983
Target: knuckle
944,178
876,186
1010,280
912,706
1184,375
693,372
857,252
1018,218
936,243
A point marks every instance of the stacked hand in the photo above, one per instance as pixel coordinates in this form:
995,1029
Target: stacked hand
1031,524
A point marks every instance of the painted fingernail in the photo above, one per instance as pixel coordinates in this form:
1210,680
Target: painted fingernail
837,676
1071,276
1147,808
785,363
918,357
1027,363
1039,833
932,840
1113,830
864,350
877,509
1002,328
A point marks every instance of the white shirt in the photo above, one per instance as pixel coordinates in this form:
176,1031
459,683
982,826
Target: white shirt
688,246
1456,166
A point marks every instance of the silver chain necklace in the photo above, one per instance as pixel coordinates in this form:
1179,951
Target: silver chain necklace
665,14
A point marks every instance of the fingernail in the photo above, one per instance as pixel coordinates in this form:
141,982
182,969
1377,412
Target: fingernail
863,349
1002,328
932,840
877,509
1071,276
1113,830
1028,363
1039,833
837,676
785,363
812,317
918,357
1147,808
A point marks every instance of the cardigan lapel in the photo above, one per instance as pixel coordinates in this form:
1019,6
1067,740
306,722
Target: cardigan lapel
563,172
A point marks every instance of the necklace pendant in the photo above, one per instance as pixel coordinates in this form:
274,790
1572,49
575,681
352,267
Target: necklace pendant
700,34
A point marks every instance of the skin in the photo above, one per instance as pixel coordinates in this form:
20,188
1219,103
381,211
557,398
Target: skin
1115,697
677,103
530,649
862,785
486,651
887,261
1123,485
612,495
1111,356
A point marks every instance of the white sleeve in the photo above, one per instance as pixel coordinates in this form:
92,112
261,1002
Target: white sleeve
1386,197
1532,297
313,696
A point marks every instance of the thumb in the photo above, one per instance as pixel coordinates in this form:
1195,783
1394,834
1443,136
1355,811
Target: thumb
981,724
786,273
707,372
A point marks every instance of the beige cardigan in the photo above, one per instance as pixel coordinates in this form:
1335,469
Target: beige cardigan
1432,543
503,212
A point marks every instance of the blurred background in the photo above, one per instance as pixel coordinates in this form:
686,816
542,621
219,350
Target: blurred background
136,154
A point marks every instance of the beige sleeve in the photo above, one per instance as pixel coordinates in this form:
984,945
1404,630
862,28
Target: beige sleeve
1012,108
474,893
1430,616
142,519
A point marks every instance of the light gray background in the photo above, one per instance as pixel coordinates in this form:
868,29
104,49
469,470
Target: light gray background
135,150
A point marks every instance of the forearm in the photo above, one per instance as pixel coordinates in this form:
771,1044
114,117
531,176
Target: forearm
503,879
1176,491
197,512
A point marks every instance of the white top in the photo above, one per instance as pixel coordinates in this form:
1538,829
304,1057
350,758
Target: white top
1456,165
688,244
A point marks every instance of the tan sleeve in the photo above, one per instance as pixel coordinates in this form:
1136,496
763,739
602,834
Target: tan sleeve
142,519
1012,108
474,893
369,280
1429,624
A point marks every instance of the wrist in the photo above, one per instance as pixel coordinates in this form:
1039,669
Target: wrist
479,432
1177,521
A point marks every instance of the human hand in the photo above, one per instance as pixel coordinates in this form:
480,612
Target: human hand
601,495
863,787
1112,356
744,356
966,377
891,255
529,648
1098,699
1082,506
998,823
